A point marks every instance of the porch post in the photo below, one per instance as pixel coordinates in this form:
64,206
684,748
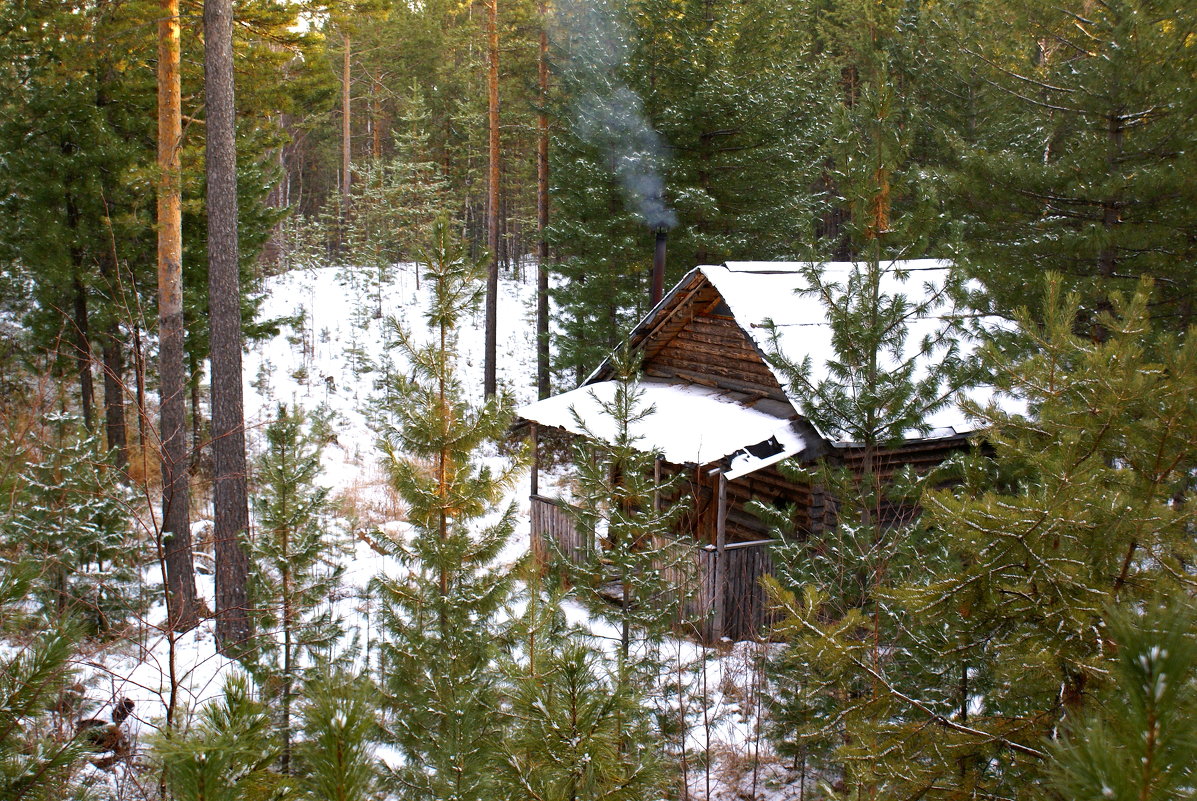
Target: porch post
535,459
657,484
720,561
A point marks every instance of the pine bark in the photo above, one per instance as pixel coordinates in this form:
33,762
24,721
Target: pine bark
114,396
230,502
543,388
181,599
83,349
139,384
112,352
346,128
490,382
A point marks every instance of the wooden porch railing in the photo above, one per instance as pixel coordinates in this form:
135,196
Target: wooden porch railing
745,614
552,522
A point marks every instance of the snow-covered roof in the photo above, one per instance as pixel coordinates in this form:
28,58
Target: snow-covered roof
689,424
763,298
696,424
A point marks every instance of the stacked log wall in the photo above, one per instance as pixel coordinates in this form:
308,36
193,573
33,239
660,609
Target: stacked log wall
711,350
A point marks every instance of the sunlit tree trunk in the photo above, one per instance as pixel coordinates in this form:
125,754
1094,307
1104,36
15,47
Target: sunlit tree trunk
346,119
182,603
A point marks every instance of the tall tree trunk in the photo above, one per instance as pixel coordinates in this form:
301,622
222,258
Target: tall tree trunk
79,304
112,352
139,383
543,388
194,376
346,129
181,599
114,395
376,119
230,504
87,392
490,383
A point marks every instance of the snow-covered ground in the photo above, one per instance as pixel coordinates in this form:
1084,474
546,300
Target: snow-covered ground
328,361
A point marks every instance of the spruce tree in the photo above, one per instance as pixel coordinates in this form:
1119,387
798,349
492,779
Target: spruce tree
69,515
437,665
297,571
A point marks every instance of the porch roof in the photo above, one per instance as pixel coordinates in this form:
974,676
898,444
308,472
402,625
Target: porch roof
682,423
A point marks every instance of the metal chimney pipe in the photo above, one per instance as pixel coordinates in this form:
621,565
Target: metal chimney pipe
659,267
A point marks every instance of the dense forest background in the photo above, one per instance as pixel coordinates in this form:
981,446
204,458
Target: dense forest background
987,652
1012,137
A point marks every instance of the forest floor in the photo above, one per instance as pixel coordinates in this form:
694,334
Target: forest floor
330,361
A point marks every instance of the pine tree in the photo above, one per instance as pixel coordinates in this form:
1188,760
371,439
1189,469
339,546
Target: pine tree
1080,512
1076,166
577,731
1140,744
1088,511
183,608
34,766
336,757
618,496
395,201
230,501
438,664
227,755
639,578
296,567
679,115
895,363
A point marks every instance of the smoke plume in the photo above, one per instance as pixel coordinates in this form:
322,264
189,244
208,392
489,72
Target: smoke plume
606,112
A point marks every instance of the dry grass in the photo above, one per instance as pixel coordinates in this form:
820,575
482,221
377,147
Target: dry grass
145,467
369,502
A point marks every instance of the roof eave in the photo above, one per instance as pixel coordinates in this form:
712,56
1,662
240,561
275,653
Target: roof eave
645,325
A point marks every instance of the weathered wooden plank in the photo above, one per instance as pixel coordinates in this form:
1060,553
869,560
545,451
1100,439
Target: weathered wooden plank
721,338
720,561
710,374
552,523
740,364
682,311
747,614
719,354
715,325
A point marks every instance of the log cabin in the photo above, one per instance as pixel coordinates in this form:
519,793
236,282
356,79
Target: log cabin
724,416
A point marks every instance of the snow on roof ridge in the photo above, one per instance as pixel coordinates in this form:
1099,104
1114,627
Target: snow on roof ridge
906,265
